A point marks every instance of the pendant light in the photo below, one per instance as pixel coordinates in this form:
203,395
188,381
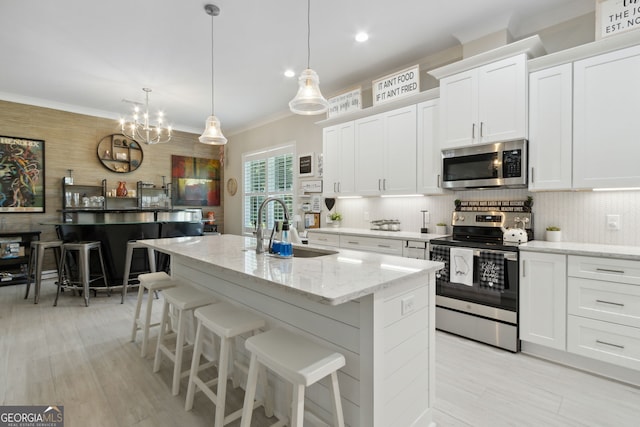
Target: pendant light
308,101
212,134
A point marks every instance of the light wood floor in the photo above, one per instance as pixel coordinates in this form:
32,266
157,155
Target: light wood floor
82,358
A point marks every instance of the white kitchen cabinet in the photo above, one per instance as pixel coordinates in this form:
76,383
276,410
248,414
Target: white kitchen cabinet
604,309
485,104
429,154
386,153
339,160
324,239
605,121
543,297
550,128
372,244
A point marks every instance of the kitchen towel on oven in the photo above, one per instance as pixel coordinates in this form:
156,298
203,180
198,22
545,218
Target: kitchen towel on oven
491,270
441,254
461,262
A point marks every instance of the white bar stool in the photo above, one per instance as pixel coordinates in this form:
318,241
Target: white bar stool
227,322
298,360
36,259
152,282
84,250
132,245
182,299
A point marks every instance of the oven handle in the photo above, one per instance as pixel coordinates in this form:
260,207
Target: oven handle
509,256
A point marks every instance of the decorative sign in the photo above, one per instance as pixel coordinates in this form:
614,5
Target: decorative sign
311,186
345,103
396,86
616,16
305,165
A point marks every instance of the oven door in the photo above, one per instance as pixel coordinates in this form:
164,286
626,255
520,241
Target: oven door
503,299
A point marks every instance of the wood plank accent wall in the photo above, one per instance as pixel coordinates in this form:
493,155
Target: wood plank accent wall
71,142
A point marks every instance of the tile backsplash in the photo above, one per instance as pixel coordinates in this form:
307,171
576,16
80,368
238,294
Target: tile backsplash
581,215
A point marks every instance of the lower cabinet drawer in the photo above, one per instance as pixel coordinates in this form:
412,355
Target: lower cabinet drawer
609,342
608,301
326,239
372,244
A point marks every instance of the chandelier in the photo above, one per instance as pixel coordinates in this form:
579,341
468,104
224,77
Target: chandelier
140,129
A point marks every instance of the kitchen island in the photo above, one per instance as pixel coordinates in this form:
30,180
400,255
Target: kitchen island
377,310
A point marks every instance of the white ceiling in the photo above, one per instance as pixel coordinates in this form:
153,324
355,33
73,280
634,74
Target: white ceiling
87,56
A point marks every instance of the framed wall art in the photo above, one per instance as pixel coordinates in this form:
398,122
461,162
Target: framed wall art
21,175
305,165
196,181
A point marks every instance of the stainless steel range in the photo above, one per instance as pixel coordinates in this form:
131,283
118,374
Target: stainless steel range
477,291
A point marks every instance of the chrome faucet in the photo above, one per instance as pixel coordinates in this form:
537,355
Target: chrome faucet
259,232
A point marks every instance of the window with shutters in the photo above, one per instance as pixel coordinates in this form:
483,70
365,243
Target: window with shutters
267,174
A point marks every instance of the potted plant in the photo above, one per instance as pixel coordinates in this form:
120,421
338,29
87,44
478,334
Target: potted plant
441,228
335,218
528,203
458,204
554,234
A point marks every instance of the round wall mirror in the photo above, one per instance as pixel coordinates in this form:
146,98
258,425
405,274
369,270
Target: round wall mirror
119,153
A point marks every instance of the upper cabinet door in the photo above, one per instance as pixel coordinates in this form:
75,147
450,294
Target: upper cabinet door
606,107
400,151
485,104
339,160
550,128
502,100
370,137
459,109
429,154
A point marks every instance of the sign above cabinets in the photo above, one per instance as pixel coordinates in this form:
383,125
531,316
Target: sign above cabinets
398,85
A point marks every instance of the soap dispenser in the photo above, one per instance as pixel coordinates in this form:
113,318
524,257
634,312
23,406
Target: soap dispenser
285,244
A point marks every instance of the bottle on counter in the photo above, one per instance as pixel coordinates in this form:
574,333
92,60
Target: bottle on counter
285,243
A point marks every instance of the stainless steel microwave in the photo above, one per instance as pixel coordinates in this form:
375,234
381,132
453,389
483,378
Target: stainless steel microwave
502,164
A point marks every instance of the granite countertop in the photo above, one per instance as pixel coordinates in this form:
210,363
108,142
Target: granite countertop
333,279
398,235
586,249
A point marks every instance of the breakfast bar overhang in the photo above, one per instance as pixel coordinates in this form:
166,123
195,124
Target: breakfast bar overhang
377,310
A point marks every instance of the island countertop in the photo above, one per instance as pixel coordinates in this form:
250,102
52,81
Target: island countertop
330,279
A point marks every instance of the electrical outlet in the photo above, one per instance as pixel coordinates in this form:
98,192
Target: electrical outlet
613,222
408,305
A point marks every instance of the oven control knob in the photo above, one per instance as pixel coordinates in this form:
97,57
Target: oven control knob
458,217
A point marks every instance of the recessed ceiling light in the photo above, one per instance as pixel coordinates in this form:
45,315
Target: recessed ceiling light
362,37
289,73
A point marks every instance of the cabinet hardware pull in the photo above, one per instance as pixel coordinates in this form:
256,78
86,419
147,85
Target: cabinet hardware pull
384,246
438,181
610,344
481,129
473,131
339,190
354,243
384,184
524,271
606,270
379,186
532,180
610,303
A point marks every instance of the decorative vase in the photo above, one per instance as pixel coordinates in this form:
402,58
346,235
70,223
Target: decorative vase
554,236
335,223
121,191
441,229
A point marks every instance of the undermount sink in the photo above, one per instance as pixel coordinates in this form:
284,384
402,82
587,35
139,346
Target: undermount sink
302,252
299,252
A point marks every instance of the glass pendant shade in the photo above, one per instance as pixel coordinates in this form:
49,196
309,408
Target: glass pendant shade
309,100
212,134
